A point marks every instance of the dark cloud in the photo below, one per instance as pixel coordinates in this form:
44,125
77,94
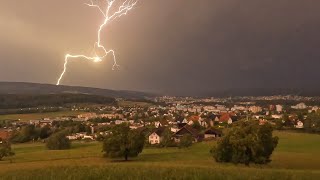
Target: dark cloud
171,46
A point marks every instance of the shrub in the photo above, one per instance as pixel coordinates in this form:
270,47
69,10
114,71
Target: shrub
185,141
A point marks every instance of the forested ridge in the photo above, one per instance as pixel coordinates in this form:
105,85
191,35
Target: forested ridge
12,101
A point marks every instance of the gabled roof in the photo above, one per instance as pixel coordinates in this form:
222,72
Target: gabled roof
213,131
163,122
159,131
190,129
180,125
226,116
194,118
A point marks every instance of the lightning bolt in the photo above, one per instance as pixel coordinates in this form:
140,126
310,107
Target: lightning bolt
109,16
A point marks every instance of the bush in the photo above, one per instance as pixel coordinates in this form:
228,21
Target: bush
58,141
185,141
167,140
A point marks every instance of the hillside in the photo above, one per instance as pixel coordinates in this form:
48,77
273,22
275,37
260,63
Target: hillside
296,157
35,88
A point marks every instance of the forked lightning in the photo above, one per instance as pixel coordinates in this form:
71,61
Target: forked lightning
109,16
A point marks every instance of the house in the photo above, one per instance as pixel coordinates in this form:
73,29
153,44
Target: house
255,109
299,106
181,125
202,122
161,123
193,119
174,129
299,125
212,133
117,122
279,108
228,118
187,129
87,116
262,121
156,136
276,116
72,137
209,123
34,122
88,137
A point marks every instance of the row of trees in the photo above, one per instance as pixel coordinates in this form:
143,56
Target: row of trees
32,133
311,123
245,142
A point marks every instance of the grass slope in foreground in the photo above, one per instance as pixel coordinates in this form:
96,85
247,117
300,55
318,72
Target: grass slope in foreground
296,157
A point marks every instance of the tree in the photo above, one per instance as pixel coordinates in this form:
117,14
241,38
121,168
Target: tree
45,132
5,149
26,134
123,142
196,125
312,123
300,116
287,121
278,124
58,141
185,141
246,142
167,140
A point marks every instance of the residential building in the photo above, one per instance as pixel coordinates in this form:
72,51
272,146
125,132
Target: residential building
187,129
156,136
299,106
279,108
212,133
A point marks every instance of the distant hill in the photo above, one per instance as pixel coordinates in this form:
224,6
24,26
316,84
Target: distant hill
264,92
35,88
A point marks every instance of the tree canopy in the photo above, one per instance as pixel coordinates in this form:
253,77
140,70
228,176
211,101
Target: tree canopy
58,141
123,142
185,141
5,149
246,142
167,139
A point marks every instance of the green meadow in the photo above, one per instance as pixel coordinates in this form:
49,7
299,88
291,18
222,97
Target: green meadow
296,157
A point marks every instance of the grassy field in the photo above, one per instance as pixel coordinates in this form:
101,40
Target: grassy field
296,157
34,116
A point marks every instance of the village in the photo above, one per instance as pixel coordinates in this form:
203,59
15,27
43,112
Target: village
180,115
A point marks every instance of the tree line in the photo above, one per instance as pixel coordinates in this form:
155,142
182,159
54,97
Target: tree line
13,101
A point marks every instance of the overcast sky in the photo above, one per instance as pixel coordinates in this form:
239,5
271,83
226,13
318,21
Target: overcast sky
167,46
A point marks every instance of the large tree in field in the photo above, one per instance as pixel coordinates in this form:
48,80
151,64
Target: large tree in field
123,142
246,142
58,141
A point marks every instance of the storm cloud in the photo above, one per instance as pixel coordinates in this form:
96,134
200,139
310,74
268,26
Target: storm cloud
166,46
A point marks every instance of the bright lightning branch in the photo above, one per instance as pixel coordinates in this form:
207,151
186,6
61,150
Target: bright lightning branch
109,16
